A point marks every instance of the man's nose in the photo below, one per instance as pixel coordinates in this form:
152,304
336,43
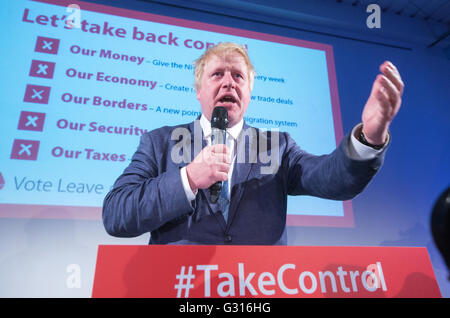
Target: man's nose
227,80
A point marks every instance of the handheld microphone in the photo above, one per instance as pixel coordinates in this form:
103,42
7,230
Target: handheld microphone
219,124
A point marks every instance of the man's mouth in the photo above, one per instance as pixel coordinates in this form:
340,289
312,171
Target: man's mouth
227,100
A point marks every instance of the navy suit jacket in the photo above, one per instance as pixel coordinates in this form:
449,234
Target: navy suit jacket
149,195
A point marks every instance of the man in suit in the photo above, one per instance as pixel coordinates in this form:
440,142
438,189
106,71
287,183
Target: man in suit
164,190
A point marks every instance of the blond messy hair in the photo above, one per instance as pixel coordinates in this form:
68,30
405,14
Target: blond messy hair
222,49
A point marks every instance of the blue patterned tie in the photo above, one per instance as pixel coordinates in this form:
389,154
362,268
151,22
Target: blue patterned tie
224,197
224,200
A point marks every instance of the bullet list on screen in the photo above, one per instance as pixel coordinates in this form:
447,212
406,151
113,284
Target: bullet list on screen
24,149
42,69
46,45
31,121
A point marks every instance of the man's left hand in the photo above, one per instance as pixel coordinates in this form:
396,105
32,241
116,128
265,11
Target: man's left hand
383,104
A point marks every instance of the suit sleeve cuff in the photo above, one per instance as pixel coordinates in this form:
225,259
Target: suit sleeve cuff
360,151
187,188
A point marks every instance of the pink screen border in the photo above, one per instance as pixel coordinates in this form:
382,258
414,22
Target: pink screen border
94,213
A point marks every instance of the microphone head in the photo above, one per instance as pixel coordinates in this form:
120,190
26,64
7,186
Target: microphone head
219,118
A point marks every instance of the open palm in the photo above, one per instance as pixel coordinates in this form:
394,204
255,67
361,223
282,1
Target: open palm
383,104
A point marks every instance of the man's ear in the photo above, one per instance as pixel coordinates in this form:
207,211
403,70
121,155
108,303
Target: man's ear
197,92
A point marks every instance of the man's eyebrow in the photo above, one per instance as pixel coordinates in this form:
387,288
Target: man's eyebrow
232,69
216,69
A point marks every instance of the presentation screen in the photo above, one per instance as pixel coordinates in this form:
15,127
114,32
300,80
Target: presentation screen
82,83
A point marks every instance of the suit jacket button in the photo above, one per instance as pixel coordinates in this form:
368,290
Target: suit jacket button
228,238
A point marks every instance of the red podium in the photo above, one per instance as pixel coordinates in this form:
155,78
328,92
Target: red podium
172,271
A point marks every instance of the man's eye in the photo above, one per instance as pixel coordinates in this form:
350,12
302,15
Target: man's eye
217,74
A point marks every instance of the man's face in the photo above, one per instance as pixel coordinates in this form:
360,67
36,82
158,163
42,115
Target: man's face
225,83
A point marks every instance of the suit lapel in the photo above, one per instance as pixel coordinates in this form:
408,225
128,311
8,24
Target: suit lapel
197,141
196,146
244,164
212,207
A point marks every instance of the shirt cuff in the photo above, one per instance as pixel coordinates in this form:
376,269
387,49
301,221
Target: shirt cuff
360,151
187,188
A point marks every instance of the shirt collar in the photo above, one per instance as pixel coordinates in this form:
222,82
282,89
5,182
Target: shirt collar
233,131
